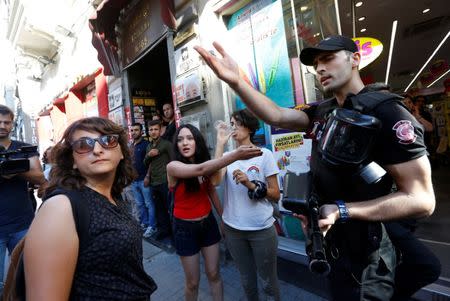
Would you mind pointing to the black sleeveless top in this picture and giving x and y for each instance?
(109, 265)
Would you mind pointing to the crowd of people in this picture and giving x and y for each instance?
(86, 238)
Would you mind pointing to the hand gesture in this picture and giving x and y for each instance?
(244, 152)
(225, 68)
(223, 133)
(153, 152)
(241, 177)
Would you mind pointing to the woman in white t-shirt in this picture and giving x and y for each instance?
(250, 187)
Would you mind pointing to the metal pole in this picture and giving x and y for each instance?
(353, 18)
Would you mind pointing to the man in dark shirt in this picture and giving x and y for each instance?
(158, 156)
(142, 193)
(361, 255)
(16, 210)
(170, 118)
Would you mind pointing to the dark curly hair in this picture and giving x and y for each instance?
(65, 176)
(246, 119)
(201, 154)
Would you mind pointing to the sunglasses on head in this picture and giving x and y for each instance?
(86, 144)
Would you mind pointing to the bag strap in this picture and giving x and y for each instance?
(367, 102)
(80, 211)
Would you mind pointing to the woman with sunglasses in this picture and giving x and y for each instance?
(250, 187)
(93, 160)
(194, 227)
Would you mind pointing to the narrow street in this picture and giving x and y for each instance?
(166, 270)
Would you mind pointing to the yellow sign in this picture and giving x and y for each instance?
(288, 142)
(369, 48)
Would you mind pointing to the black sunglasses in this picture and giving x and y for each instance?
(85, 145)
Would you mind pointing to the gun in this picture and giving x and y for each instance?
(298, 198)
(16, 161)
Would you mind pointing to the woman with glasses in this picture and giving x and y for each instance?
(92, 163)
(194, 227)
(250, 187)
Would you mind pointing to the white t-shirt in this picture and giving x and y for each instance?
(239, 211)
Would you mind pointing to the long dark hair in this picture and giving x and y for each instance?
(247, 120)
(65, 176)
(201, 154)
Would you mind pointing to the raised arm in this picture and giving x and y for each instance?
(222, 138)
(180, 170)
(227, 70)
(51, 251)
(414, 198)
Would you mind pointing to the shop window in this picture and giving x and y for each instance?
(306, 23)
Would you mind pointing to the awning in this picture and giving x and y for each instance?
(85, 80)
(102, 24)
(60, 102)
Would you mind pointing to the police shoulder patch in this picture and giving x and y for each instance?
(404, 131)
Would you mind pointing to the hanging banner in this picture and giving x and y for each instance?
(369, 48)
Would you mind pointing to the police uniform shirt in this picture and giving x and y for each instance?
(400, 139)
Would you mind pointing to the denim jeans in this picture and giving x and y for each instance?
(144, 202)
(8, 241)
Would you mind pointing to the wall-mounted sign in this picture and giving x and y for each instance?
(186, 58)
(117, 116)
(189, 88)
(142, 27)
(115, 99)
(369, 48)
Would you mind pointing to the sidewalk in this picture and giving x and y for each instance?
(166, 270)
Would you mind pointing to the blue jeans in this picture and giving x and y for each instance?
(8, 241)
(144, 202)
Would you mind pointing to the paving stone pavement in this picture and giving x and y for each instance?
(165, 268)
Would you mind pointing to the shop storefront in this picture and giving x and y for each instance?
(157, 65)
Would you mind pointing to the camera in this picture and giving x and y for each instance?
(16, 161)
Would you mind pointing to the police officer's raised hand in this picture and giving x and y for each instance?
(225, 68)
(244, 152)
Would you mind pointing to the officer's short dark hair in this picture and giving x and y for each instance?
(4, 110)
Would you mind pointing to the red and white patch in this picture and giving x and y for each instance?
(405, 132)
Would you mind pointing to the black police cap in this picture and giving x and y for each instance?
(333, 43)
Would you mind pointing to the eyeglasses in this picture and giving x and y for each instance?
(85, 145)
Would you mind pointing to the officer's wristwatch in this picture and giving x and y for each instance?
(343, 211)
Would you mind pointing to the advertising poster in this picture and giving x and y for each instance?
(263, 58)
(292, 152)
(258, 30)
(188, 87)
(117, 116)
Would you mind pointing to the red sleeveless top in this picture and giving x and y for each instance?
(191, 205)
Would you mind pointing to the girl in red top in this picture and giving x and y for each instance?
(194, 226)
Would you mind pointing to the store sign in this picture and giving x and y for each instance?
(142, 27)
(369, 48)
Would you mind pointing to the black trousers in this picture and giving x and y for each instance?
(418, 265)
(362, 277)
(160, 199)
